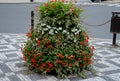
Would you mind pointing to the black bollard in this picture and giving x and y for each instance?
(32, 19)
(31, 0)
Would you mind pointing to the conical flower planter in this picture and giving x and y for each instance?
(58, 44)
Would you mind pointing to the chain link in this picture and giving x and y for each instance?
(95, 25)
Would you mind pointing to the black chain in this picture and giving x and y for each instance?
(96, 25)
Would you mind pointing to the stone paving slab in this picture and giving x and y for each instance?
(12, 66)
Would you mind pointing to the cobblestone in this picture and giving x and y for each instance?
(12, 68)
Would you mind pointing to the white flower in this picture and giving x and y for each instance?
(60, 28)
(73, 30)
(45, 29)
(75, 40)
(42, 32)
(64, 31)
(51, 32)
(69, 36)
(48, 26)
(43, 24)
(56, 32)
(36, 38)
(68, 33)
(54, 27)
(65, 44)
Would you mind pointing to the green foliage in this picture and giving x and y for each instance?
(58, 44)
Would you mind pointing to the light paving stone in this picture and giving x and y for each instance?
(106, 53)
(24, 77)
(7, 48)
(4, 68)
(4, 79)
(11, 55)
(111, 66)
(115, 61)
(13, 67)
(10, 73)
(94, 79)
(14, 78)
(51, 78)
(2, 41)
(106, 63)
(115, 76)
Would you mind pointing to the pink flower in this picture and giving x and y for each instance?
(36, 8)
(73, 8)
(46, 4)
(63, 1)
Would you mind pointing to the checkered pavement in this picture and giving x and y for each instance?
(12, 66)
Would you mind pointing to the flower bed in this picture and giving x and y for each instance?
(58, 44)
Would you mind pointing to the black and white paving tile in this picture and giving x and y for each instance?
(12, 66)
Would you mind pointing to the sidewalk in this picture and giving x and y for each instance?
(12, 66)
(28, 1)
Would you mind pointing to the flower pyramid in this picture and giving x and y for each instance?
(58, 43)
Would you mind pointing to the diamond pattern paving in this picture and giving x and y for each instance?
(12, 66)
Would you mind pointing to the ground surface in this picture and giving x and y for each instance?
(107, 63)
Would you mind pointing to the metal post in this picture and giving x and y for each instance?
(32, 19)
(114, 38)
(31, 0)
(99, 1)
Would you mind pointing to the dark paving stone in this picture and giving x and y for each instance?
(107, 78)
(36, 76)
(3, 47)
(111, 72)
(4, 68)
(100, 65)
(104, 53)
(2, 75)
(114, 63)
(111, 57)
(14, 78)
(11, 55)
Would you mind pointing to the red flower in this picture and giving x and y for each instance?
(47, 70)
(73, 8)
(89, 61)
(82, 53)
(33, 60)
(29, 35)
(53, 0)
(66, 1)
(75, 1)
(73, 56)
(41, 67)
(81, 43)
(63, 63)
(29, 53)
(93, 48)
(49, 46)
(60, 55)
(38, 42)
(87, 39)
(85, 59)
(79, 59)
(81, 65)
(24, 57)
(40, 54)
(46, 4)
(69, 65)
(59, 61)
(63, 0)
(50, 64)
(36, 8)
(35, 55)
